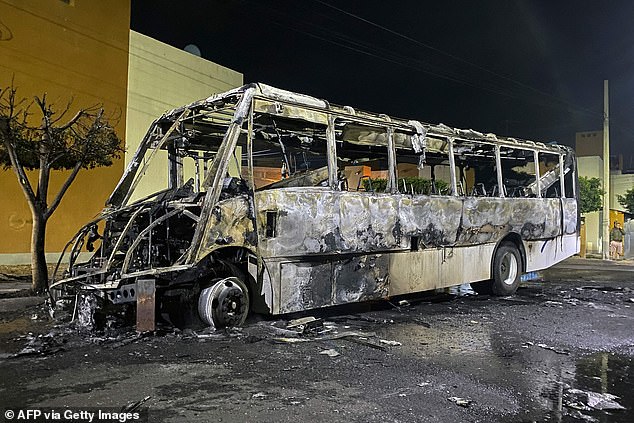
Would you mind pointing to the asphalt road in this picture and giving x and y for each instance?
(550, 353)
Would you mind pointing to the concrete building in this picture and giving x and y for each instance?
(589, 148)
(85, 51)
(162, 77)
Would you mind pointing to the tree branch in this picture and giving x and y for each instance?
(62, 190)
(73, 121)
(44, 150)
(63, 112)
(25, 184)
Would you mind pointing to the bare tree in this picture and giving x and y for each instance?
(44, 141)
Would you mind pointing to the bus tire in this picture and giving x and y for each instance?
(225, 303)
(507, 270)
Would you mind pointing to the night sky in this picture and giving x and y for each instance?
(529, 69)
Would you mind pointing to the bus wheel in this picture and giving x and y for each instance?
(507, 270)
(225, 303)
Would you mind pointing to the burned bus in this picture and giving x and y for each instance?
(278, 202)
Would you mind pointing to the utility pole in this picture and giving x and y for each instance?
(606, 173)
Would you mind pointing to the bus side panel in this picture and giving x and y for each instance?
(271, 281)
(296, 222)
(489, 219)
(305, 285)
(367, 222)
(439, 268)
(545, 253)
(434, 220)
(570, 215)
(485, 220)
(536, 218)
(314, 221)
(360, 278)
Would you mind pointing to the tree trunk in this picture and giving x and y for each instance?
(39, 270)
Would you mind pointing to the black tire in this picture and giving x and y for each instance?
(225, 303)
(506, 270)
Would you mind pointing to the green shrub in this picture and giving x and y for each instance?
(590, 194)
(412, 183)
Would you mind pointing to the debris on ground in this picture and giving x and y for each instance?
(85, 306)
(360, 319)
(305, 324)
(291, 340)
(546, 347)
(209, 335)
(259, 395)
(120, 341)
(133, 406)
(366, 342)
(462, 402)
(586, 400)
(42, 345)
(553, 349)
(576, 414)
(330, 352)
(339, 335)
(388, 342)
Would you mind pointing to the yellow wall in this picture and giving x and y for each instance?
(162, 77)
(73, 51)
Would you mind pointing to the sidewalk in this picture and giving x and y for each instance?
(14, 295)
(626, 265)
(19, 303)
(13, 286)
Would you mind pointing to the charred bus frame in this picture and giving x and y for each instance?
(294, 203)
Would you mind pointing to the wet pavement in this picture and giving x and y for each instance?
(560, 350)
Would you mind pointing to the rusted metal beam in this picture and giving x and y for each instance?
(145, 305)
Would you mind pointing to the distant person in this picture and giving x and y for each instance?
(616, 241)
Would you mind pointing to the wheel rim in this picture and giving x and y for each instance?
(508, 268)
(224, 304)
(231, 304)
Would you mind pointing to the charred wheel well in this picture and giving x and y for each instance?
(234, 261)
(516, 240)
(229, 261)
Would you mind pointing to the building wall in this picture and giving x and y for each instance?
(592, 167)
(70, 50)
(162, 77)
(589, 143)
(619, 184)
